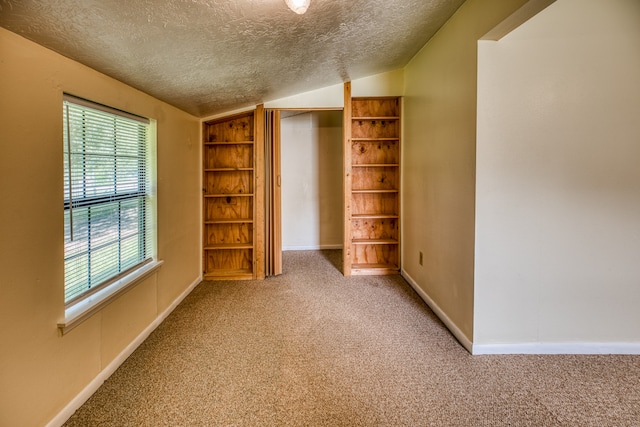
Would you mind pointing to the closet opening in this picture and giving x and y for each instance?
(305, 202)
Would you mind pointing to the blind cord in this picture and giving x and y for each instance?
(70, 180)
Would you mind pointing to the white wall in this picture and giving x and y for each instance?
(312, 212)
(558, 182)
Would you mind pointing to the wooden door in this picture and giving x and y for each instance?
(274, 194)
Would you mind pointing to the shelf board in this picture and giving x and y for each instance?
(230, 195)
(229, 143)
(244, 274)
(373, 191)
(374, 269)
(374, 139)
(230, 221)
(226, 246)
(374, 165)
(228, 169)
(375, 118)
(374, 242)
(375, 216)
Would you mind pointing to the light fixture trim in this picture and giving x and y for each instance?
(298, 6)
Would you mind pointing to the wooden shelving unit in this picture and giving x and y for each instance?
(372, 185)
(229, 198)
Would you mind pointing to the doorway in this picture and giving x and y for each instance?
(305, 157)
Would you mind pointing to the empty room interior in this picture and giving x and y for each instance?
(473, 163)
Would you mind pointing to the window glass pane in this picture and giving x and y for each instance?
(128, 175)
(76, 276)
(104, 263)
(105, 160)
(129, 256)
(104, 224)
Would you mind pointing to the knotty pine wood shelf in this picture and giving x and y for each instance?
(228, 169)
(374, 216)
(230, 221)
(376, 118)
(229, 198)
(224, 274)
(372, 150)
(221, 195)
(374, 139)
(374, 242)
(226, 246)
(373, 191)
(375, 165)
(229, 143)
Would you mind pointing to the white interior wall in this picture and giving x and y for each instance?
(312, 213)
(557, 266)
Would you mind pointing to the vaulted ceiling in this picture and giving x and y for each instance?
(211, 56)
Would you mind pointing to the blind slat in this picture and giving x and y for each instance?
(105, 195)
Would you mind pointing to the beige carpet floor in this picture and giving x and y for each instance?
(313, 348)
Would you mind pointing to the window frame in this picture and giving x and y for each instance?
(97, 295)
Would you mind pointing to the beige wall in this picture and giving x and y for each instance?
(558, 181)
(438, 186)
(390, 83)
(327, 97)
(40, 370)
(312, 212)
(332, 97)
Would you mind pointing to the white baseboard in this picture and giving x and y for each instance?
(453, 328)
(95, 384)
(310, 248)
(527, 347)
(558, 348)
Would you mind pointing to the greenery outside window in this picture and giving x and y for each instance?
(109, 227)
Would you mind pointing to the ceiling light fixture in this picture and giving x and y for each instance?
(298, 6)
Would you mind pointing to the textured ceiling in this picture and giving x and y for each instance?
(211, 56)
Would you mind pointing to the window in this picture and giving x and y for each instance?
(108, 207)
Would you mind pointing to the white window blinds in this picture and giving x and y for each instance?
(106, 197)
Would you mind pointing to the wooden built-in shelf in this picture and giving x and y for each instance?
(228, 169)
(372, 157)
(374, 242)
(377, 118)
(229, 143)
(229, 274)
(374, 269)
(230, 195)
(374, 139)
(223, 246)
(229, 221)
(375, 165)
(374, 216)
(373, 191)
(369, 266)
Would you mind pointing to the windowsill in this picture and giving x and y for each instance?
(82, 310)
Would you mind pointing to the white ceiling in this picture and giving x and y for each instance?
(211, 56)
